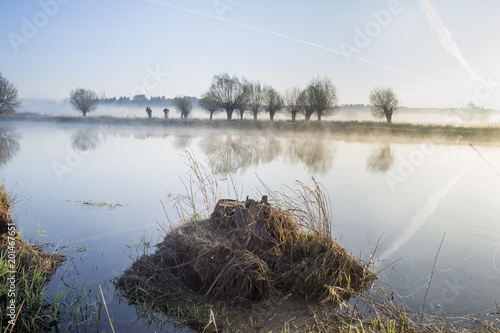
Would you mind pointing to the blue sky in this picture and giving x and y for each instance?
(174, 47)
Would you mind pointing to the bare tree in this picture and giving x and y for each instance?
(184, 105)
(84, 100)
(8, 97)
(255, 97)
(228, 92)
(384, 103)
(208, 102)
(273, 102)
(473, 113)
(321, 97)
(294, 100)
(307, 98)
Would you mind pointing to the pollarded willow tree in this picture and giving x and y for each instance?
(184, 105)
(84, 100)
(384, 103)
(321, 97)
(208, 102)
(229, 92)
(294, 100)
(8, 97)
(273, 101)
(255, 97)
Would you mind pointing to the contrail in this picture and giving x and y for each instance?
(420, 217)
(293, 39)
(444, 35)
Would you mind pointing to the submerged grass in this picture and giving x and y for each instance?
(25, 271)
(100, 203)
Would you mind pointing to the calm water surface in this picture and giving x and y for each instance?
(405, 196)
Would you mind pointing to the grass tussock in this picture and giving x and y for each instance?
(246, 254)
(25, 271)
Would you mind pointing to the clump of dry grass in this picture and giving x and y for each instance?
(248, 252)
(32, 269)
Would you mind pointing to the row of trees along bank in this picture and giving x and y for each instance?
(318, 98)
(230, 93)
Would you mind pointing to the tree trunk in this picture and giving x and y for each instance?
(388, 115)
(241, 114)
(84, 113)
(211, 114)
(229, 113)
(271, 115)
(255, 116)
(308, 116)
(294, 115)
(319, 115)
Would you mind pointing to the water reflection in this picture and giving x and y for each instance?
(381, 159)
(9, 145)
(317, 153)
(435, 198)
(86, 140)
(232, 153)
(182, 142)
(240, 152)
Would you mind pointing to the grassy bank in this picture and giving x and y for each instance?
(366, 128)
(25, 271)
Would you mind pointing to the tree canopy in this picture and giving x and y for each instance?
(209, 103)
(273, 102)
(228, 92)
(184, 105)
(8, 97)
(84, 100)
(255, 97)
(384, 103)
(321, 97)
(294, 101)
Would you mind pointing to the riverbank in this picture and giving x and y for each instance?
(347, 130)
(25, 271)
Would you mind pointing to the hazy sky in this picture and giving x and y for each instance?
(432, 52)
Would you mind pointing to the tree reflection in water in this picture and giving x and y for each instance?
(381, 159)
(9, 145)
(316, 152)
(182, 142)
(239, 152)
(87, 140)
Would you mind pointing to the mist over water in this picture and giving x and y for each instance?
(346, 113)
(407, 193)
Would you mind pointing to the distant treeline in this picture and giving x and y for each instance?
(142, 100)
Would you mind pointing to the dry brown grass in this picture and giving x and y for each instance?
(32, 271)
(283, 249)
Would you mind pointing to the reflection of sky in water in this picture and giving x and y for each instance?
(409, 194)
